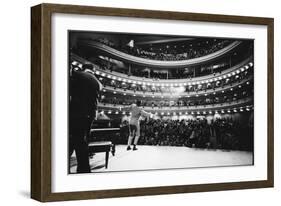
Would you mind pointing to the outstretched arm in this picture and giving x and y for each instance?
(146, 114)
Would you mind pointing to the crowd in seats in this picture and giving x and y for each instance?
(183, 73)
(220, 133)
(169, 54)
(206, 100)
(220, 83)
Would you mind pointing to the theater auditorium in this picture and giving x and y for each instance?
(193, 97)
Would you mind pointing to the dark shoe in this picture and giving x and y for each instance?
(128, 148)
(135, 148)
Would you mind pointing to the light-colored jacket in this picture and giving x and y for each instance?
(136, 113)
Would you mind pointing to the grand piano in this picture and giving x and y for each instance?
(103, 138)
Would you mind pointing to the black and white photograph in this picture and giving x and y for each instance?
(139, 102)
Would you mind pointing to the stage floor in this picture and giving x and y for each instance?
(165, 157)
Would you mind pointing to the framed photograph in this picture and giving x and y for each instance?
(130, 102)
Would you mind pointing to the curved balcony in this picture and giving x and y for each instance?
(213, 107)
(156, 63)
(167, 95)
(139, 80)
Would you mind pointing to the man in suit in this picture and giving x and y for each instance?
(84, 91)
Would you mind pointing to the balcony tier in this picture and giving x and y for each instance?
(116, 54)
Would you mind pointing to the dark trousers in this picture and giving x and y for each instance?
(79, 130)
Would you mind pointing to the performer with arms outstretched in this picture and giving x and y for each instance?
(134, 123)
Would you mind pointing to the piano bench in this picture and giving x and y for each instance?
(101, 146)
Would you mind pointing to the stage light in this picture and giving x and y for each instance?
(192, 112)
(215, 79)
(204, 112)
(228, 111)
(220, 78)
(246, 67)
(123, 113)
(248, 83)
(216, 112)
(134, 95)
(237, 72)
(116, 112)
(168, 113)
(241, 110)
(239, 86)
(103, 74)
(233, 73)
(198, 112)
(180, 113)
(186, 112)
(109, 76)
(104, 90)
(229, 75)
(247, 109)
(124, 94)
(206, 94)
(214, 93)
(222, 91)
(97, 72)
(119, 79)
(162, 113)
(210, 112)
(235, 110)
(100, 78)
(251, 64)
(109, 112)
(211, 80)
(197, 95)
(224, 76)
(242, 69)
(222, 111)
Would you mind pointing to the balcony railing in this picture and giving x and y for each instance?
(166, 94)
(212, 107)
(127, 78)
